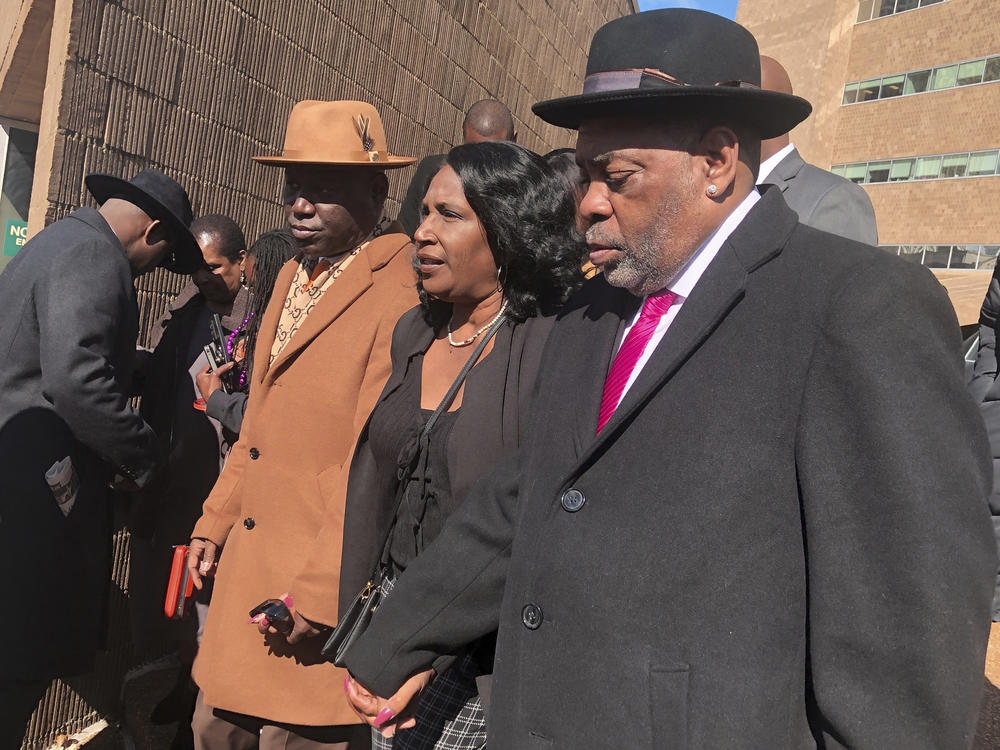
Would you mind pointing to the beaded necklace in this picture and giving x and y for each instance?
(478, 333)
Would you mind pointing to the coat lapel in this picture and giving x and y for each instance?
(785, 171)
(759, 238)
(342, 293)
(605, 320)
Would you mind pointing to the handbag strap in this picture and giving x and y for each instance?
(425, 432)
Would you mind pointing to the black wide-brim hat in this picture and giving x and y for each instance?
(161, 198)
(676, 61)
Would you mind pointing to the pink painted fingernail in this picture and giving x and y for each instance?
(288, 602)
(347, 684)
(383, 716)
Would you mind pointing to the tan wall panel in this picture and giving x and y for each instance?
(944, 33)
(959, 211)
(812, 39)
(962, 119)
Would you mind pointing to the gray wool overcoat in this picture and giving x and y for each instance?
(67, 346)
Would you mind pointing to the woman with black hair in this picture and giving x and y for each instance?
(496, 255)
(264, 260)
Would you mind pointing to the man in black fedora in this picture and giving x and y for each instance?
(66, 429)
(751, 511)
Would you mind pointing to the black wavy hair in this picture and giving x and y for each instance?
(529, 219)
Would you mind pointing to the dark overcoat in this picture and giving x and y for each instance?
(491, 424)
(780, 539)
(985, 389)
(67, 339)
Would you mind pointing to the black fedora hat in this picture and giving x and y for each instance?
(679, 61)
(162, 198)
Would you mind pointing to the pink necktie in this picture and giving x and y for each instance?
(654, 308)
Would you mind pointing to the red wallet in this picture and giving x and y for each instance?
(180, 586)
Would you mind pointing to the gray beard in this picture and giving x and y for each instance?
(637, 275)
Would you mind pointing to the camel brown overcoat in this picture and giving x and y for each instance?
(301, 421)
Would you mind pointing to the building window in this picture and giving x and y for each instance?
(971, 73)
(868, 90)
(954, 165)
(891, 86)
(992, 72)
(983, 163)
(878, 171)
(928, 168)
(950, 76)
(931, 167)
(916, 82)
(968, 257)
(901, 169)
(871, 9)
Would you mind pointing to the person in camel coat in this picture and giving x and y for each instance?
(321, 360)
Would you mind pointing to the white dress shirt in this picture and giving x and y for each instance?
(684, 283)
(767, 166)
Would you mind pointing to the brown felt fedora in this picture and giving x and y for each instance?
(342, 133)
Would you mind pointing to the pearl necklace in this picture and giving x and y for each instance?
(478, 333)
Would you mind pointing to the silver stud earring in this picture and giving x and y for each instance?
(712, 190)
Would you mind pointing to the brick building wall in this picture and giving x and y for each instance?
(812, 39)
(823, 48)
(197, 87)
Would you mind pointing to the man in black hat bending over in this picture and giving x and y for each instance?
(67, 340)
(751, 511)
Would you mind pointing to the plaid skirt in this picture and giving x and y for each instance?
(449, 715)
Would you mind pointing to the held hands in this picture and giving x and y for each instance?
(299, 628)
(388, 715)
(209, 382)
(202, 560)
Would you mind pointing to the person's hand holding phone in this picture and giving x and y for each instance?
(209, 380)
(278, 617)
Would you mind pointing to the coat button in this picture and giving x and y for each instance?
(531, 616)
(249, 523)
(254, 454)
(572, 500)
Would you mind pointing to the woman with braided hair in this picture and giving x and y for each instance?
(260, 270)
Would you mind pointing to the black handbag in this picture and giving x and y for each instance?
(352, 623)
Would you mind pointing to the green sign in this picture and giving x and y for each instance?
(14, 237)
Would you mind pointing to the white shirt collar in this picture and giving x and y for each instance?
(767, 166)
(684, 282)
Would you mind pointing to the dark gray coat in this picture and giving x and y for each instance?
(824, 200)
(780, 540)
(67, 339)
(985, 389)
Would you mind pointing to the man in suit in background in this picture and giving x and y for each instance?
(751, 509)
(68, 341)
(486, 120)
(822, 199)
